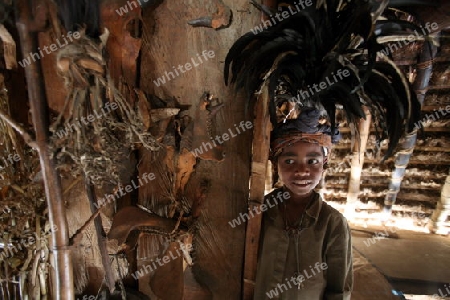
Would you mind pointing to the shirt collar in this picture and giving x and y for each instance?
(312, 211)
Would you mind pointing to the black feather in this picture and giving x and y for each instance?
(307, 49)
(78, 14)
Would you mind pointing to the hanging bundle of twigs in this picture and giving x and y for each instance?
(24, 247)
(20, 197)
(100, 127)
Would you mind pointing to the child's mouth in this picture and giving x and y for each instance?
(301, 183)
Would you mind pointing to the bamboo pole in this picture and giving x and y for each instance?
(59, 245)
(357, 163)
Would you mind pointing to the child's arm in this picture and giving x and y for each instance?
(339, 262)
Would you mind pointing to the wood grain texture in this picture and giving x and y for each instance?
(261, 144)
(168, 41)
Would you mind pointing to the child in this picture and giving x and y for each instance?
(317, 57)
(305, 250)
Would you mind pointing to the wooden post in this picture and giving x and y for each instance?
(59, 246)
(357, 163)
(101, 236)
(261, 145)
(440, 215)
(260, 150)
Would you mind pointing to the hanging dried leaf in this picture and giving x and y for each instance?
(131, 217)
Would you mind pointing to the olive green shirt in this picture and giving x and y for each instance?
(324, 269)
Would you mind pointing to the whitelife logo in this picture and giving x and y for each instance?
(25, 243)
(108, 198)
(86, 120)
(146, 269)
(225, 137)
(435, 116)
(187, 67)
(244, 217)
(280, 16)
(131, 4)
(11, 159)
(297, 281)
(381, 235)
(441, 294)
(411, 38)
(317, 88)
(53, 47)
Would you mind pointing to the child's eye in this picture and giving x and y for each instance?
(313, 161)
(289, 161)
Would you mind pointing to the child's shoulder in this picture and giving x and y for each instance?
(332, 213)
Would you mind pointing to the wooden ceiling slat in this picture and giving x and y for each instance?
(417, 148)
(330, 196)
(346, 130)
(380, 185)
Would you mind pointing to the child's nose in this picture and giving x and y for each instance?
(302, 169)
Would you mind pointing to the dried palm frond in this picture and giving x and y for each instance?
(98, 147)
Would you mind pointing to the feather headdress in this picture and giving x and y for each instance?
(326, 56)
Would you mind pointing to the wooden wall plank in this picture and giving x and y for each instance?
(168, 41)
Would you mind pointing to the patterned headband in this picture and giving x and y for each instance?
(291, 138)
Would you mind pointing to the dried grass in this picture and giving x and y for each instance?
(24, 263)
(99, 148)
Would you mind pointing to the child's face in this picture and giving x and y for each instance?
(300, 167)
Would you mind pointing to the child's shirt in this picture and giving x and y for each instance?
(324, 255)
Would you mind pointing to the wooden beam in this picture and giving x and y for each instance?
(358, 162)
(362, 175)
(431, 161)
(442, 58)
(433, 107)
(332, 195)
(442, 212)
(370, 175)
(379, 185)
(59, 246)
(417, 148)
(425, 129)
(439, 87)
(101, 236)
(261, 145)
(260, 149)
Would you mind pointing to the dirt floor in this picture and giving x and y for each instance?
(390, 263)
